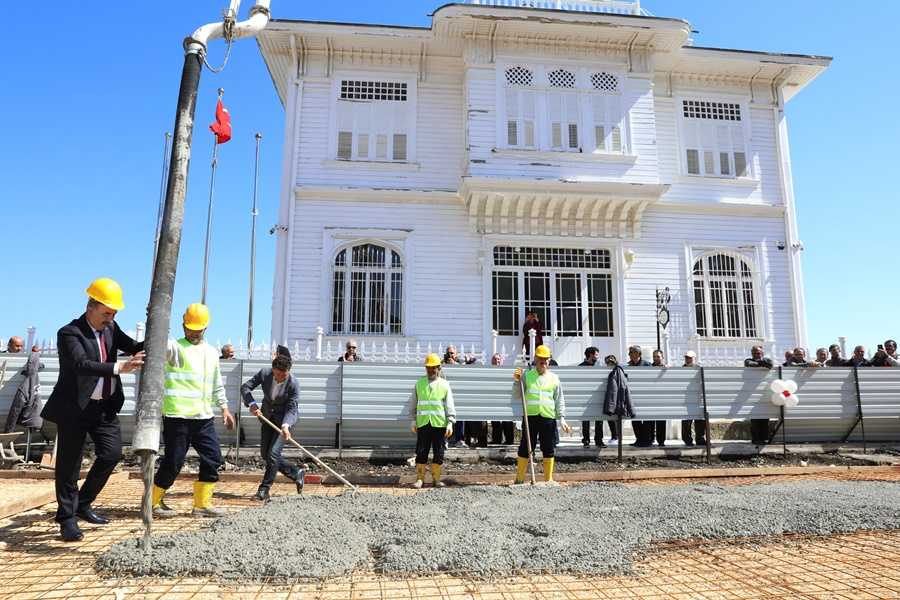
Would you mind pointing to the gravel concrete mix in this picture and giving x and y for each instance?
(495, 531)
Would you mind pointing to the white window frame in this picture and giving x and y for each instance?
(583, 118)
(746, 253)
(553, 301)
(715, 147)
(335, 240)
(409, 125)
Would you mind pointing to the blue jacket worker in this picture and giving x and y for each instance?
(281, 398)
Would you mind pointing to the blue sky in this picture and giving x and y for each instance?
(84, 118)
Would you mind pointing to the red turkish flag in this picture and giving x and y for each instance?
(222, 126)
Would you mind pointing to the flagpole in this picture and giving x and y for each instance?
(209, 212)
(162, 195)
(254, 213)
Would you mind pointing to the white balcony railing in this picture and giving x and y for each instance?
(617, 7)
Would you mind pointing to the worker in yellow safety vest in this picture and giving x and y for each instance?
(431, 402)
(544, 404)
(193, 390)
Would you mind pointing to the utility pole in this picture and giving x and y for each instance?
(148, 418)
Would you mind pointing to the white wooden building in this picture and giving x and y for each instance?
(567, 157)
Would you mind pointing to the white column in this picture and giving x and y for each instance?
(319, 333)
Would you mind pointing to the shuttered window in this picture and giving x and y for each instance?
(562, 110)
(713, 139)
(375, 120)
(372, 302)
(520, 108)
(725, 301)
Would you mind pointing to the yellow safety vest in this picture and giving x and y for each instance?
(430, 396)
(189, 387)
(539, 391)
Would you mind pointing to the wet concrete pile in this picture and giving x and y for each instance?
(495, 531)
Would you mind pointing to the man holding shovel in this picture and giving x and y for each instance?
(544, 404)
(281, 397)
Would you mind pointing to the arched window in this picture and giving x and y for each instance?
(367, 291)
(724, 299)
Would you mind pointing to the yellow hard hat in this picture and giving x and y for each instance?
(196, 317)
(107, 292)
(542, 352)
(432, 360)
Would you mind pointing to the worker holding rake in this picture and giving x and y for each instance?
(544, 404)
(281, 397)
(431, 402)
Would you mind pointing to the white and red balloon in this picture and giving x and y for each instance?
(784, 393)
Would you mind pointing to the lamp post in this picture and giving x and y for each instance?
(663, 297)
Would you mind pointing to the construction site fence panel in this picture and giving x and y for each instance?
(368, 404)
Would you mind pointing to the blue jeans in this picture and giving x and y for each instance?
(270, 448)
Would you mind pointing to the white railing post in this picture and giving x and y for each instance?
(32, 331)
(532, 336)
(319, 333)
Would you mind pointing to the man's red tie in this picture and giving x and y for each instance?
(107, 381)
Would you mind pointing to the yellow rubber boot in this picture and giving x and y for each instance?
(160, 510)
(420, 476)
(549, 464)
(203, 507)
(521, 467)
(436, 476)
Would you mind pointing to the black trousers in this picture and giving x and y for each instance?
(598, 431)
(502, 432)
(759, 431)
(544, 430)
(699, 427)
(430, 438)
(178, 435)
(270, 448)
(106, 434)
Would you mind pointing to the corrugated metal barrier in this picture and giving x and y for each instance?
(367, 404)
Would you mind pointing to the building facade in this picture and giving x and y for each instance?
(566, 158)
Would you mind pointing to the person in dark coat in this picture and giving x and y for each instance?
(759, 428)
(658, 427)
(591, 356)
(281, 399)
(643, 430)
(86, 401)
(617, 402)
(532, 321)
(691, 426)
(26, 406)
(858, 359)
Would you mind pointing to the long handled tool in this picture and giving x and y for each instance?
(527, 431)
(308, 453)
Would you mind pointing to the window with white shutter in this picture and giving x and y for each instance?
(520, 108)
(562, 110)
(375, 120)
(606, 110)
(713, 140)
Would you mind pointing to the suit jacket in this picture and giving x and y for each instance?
(282, 410)
(80, 368)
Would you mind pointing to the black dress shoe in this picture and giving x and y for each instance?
(301, 480)
(88, 514)
(70, 532)
(262, 494)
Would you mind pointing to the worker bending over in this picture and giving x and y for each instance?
(281, 397)
(432, 403)
(544, 404)
(193, 389)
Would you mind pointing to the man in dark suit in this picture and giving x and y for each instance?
(281, 398)
(86, 401)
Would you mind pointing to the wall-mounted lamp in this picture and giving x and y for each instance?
(629, 255)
